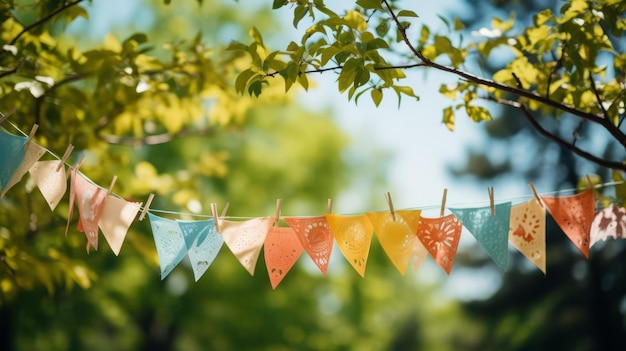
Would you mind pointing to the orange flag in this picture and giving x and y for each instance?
(90, 200)
(574, 214)
(441, 237)
(527, 232)
(316, 238)
(245, 239)
(282, 249)
(354, 236)
(397, 237)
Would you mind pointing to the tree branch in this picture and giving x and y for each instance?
(573, 148)
(42, 20)
(518, 91)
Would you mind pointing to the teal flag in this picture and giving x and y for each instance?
(203, 244)
(492, 232)
(12, 151)
(169, 241)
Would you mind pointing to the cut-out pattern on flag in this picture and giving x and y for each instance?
(33, 153)
(574, 215)
(90, 200)
(610, 222)
(441, 238)
(51, 184)
(490, 231)
(419, 252)
(353, 235)
(281, 250)
(12, 155)
(396, 237)
(316, 238)
(169, 242)
(115, 219)
(527, 232)
(245, 239)
(204, 246)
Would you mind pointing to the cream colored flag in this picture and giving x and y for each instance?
(51, 183)
(527, 232)
(33, 153)
(115, 219)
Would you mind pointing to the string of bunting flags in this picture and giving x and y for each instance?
(406, 236)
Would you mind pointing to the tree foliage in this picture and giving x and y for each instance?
(566, 64)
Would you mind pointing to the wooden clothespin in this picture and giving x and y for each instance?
(79, 163)
(329, 207)
(215, 219)
(277, 217)
(31, 135)
(492, 203)
(146, 207)
(390, 203)
(532, 188)
(4, 116)
(110, 190)
(67, 153)
(443, 202)
(224, 210)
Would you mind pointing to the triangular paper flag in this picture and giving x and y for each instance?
(610, 222)
(281, 250)
(33, 153)
(51, 184)
(441, 238)
(574, 215)
(90, 201)
(527, 232)
(12, 155)
(419, 253)
(115, 219)
(205, 246)
(169, 242)
(396, 237)
(316, 238)
(245, 239)
(491, 232)
(353, 235)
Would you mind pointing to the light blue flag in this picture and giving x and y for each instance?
(13, 149)
(169, 241)
(203, 244)
(492, 232)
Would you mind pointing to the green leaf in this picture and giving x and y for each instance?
(478, 113)
(620, 189)
(448, 118)
(298, 14)
(370, 4)
(278, 4)
(407, 13)
(242, 80)
(377, 96)
(237, 46)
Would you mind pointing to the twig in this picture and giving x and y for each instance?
(42, 20)
(595, 92)
(580, 152)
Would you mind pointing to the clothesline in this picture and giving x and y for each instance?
(426, 207)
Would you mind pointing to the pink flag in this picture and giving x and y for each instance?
(90, 200)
